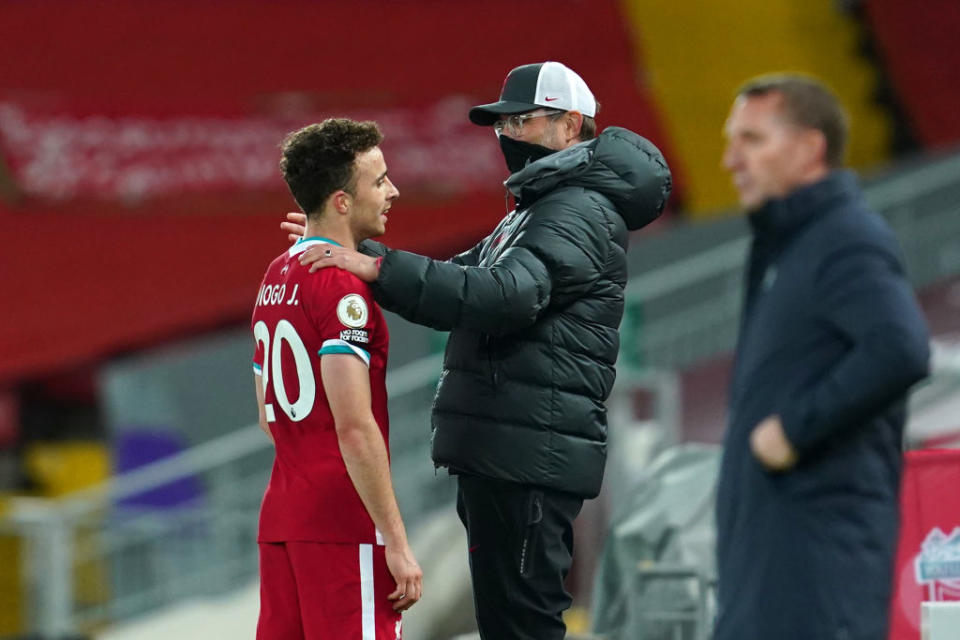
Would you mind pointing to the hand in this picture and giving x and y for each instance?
(407, 574)
(295, 226)
(329, 255)
(770, 446)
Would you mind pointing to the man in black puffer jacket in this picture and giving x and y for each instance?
(533, 313)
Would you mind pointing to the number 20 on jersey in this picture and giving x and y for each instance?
(273, 370)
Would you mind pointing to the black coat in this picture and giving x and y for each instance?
(831, 339)
(533, 313)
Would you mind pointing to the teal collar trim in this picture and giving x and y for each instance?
(321, 239)
(303, 244)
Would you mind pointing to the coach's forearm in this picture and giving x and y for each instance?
(365, 456)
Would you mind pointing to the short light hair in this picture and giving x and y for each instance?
(807, 103)
(588, 126)
(588, 130)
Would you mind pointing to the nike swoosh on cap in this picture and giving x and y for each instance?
(551, 99)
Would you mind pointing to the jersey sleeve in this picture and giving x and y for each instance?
(342, 314)
(258, 358)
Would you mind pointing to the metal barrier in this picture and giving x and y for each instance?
(687, 311)
(88, 559)
(934, 404)
(91, 558)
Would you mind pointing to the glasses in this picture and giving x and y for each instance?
(514, 124)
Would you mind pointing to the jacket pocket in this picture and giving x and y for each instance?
(529, 543)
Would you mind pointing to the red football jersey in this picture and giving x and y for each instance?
(299, 317)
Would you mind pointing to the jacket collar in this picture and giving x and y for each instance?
(781, 218)
(543, 175)
(622, 166)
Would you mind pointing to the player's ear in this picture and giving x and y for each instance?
(341, 201)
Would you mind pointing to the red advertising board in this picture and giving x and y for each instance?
(928, 556)
(61, 153)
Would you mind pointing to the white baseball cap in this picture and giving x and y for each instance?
(544, 84)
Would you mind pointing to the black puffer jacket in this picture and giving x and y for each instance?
(533, 312)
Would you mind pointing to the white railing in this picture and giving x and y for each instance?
(91, 557)
(687, 311)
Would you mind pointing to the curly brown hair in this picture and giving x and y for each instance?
(318, 160)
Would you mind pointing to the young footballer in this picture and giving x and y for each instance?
(334, 558)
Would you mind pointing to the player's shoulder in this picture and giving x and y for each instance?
(340, 297)
(338, 280)
(278, 264)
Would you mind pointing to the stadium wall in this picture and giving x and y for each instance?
(140, 197)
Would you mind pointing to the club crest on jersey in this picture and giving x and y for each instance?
(352, 310)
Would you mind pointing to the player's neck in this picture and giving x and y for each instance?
(343, 237)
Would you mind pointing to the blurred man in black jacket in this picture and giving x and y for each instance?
(831, 339)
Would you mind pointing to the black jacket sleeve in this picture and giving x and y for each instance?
(562, 246)
(864, 297)
(470, 257)
(373, 248)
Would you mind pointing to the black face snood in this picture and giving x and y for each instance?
(519, 154)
